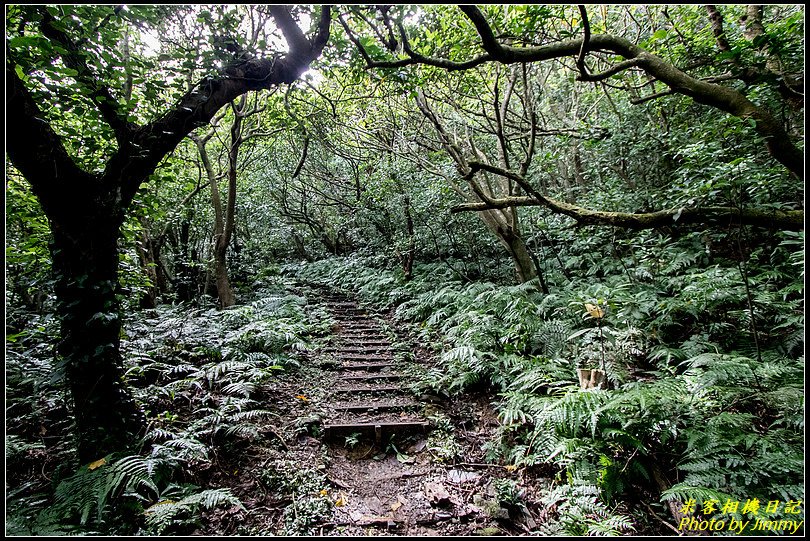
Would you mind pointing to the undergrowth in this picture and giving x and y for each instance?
(198, 374)
(696, 408)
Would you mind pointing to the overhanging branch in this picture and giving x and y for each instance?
(770, 218)
(726, 99)
(201, 103)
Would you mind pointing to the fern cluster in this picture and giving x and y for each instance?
(200, 375)
(685, 395)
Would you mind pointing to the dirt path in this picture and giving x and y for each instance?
(354, 451)
(387, 462)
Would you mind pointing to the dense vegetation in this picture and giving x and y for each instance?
(539, 190)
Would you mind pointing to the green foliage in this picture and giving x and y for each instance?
(306, 488)
(580, 512)
(442, 443)
(106, 493)
(681, 405)
(200, 376)
(166, 513)
(702, 333)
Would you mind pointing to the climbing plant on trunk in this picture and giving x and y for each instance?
(87, 205)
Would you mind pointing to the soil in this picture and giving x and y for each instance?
(354, 454)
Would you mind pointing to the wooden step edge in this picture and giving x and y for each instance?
(376, 407)
(370, 377)
(366, 366)
(378, 389)
(392, 424)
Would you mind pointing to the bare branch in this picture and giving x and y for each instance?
(613, 70)
(651, 97)
(303, 158)
(586, 37)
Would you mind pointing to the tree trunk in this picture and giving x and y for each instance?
(187, 280)
(525, 269)
(521, 257)
(147, 255)
(224, 291)
(410, 255)
(85, 259)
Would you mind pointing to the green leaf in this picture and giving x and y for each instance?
(20, 73)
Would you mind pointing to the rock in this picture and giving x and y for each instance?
(417, 447)
(488, 532)
(491, 508)
(437, 494)
(458, 476)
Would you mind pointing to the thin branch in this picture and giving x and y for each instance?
(613, 70)
(655, 96)
(586, 37)
(303, 158)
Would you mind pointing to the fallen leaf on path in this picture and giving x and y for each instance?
(342, 500)
(302, 398)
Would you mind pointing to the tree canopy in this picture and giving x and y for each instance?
(646, 161)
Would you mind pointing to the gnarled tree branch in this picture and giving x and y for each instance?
(726, 99)
(770, 218)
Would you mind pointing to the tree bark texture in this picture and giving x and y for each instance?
(514, 244)
(86, 210)
(85, 260)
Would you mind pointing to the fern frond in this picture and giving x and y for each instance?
(166, 513)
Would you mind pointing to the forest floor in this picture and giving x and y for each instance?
(315, 477)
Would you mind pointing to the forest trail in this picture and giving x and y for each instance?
(368, 398)
(382, 461)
